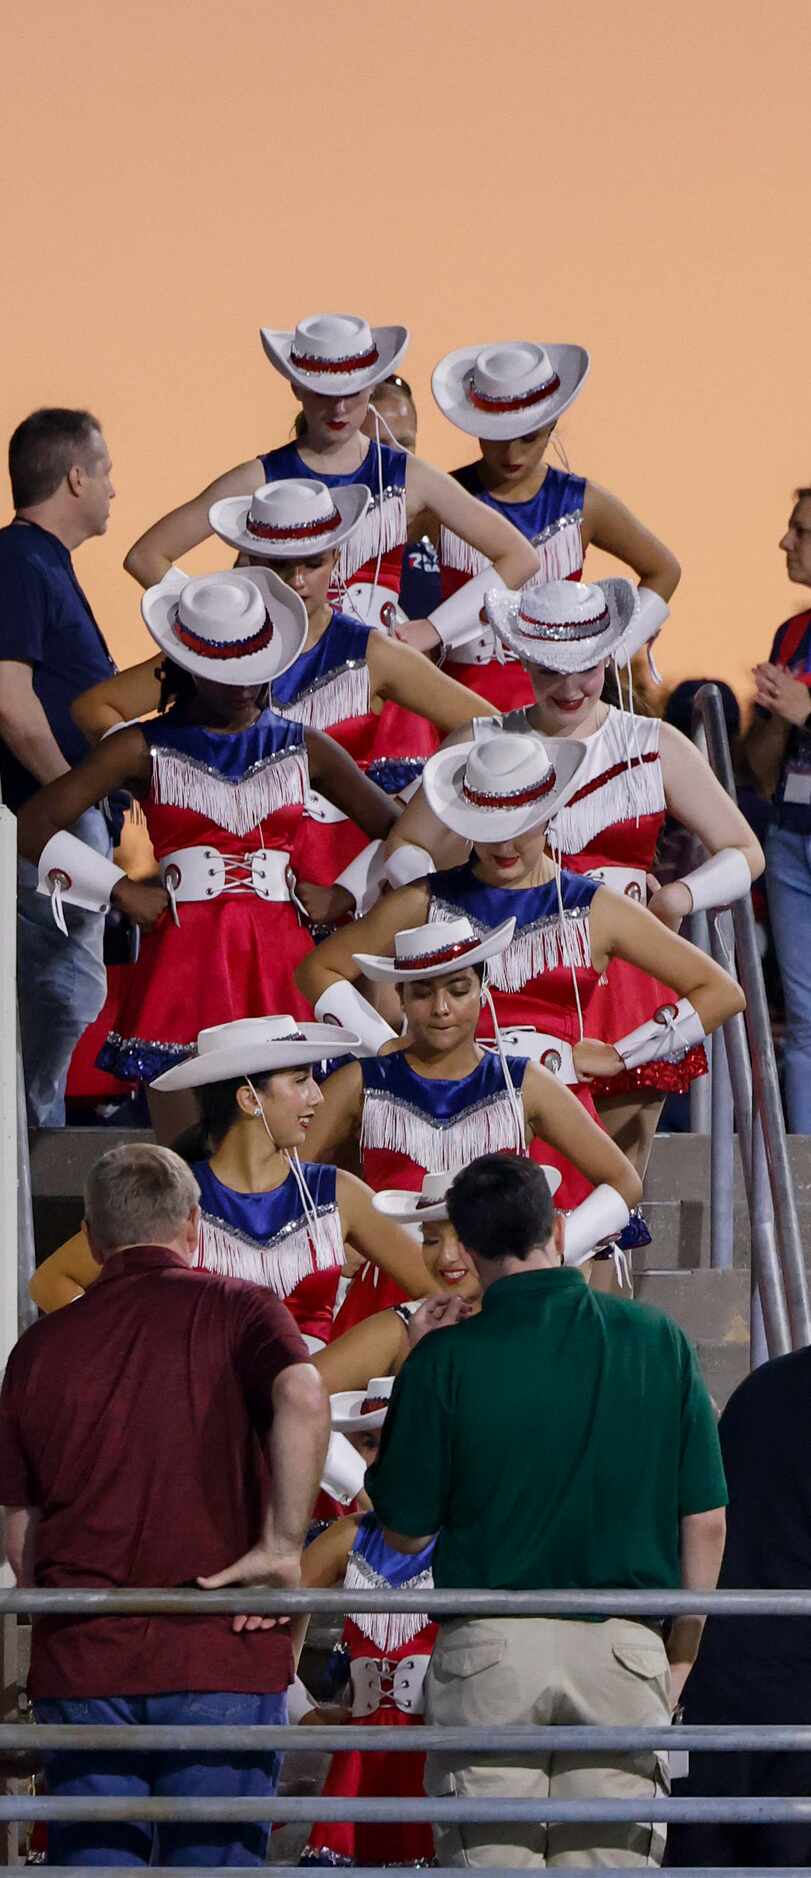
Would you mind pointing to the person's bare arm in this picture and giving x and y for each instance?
(64, 1276)
(120, 762)
(700, 802)
(419, 827)
(20, 1528)
(375, 933)
(376, 1347)
(397, 671)
(511, 555)
(24, 726)
(554, 1114)
(335, 773)
(337, 1118)
(297, 1447)
(702, 1549)
(381, 1240)
(621, 930)
(152, 555)
(116, 701)
(609, 525)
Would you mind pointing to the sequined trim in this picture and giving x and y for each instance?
(574, 518)
(265, 1245)
(327, 678)
(210, 769)
(140, 1059)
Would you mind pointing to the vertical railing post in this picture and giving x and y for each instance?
(10, 1207)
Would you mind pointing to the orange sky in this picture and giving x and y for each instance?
(630, 177)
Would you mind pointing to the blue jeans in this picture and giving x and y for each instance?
(61, 983)
(788, 882)
(216, 1776)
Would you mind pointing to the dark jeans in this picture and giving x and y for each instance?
(61, 982)
(216, 1776)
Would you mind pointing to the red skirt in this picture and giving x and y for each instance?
(229, 958)
(373, 1776)
(624, 998)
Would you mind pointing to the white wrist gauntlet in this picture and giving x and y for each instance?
(665, 1038)
(458, 619)
(720, 880)
(70, 870)
(601, 1216)
(344, 1004)
(344, 1470)
(299, 1702)
(407, 863)
(363, 876)
(648, 620)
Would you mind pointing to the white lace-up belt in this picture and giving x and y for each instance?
(632, 881)
(482, 651)
(378, 1682)
(320, 810)
(207, 873)
(541, 1047)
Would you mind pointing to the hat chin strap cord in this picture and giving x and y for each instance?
(514, 1099)
(294, 1164)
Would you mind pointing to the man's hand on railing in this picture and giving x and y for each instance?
(261, 1568)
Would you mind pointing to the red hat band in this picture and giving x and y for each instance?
(356, 362)
(224, 648)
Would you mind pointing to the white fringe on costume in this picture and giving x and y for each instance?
(541, 947)
(341, 694)
(383, 528)
(388, 1630)
(276, 782)
(278, 1264)
(623, 796)
(560, 547)
(398, 1127)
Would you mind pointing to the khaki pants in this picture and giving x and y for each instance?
(510, 1672)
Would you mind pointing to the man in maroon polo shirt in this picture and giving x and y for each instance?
(167, 1427)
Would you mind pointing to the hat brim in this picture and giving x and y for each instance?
(570, 363)
(503, 607)
(390, 342)
(398, 1204)
(442, 778)
(285, 608)
(345, 1415)
(229, 518)
(323, 1042)
(386, 971)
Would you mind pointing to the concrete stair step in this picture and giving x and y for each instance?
(712, 1307)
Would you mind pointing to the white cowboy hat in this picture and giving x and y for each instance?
(434, 950)
(243, 627)
(291, 519)
(501, 787)
(508, 390)
(254, 1046)
(335, 353)
(349, 1412)
(412, 1209)
(565, 625)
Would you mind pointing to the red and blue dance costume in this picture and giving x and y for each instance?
(232, 955)
(552, 521)
(414, 1125)
(383, 529)
(328, 688)
(388, 1655)
(268, 1239)
(613, 821)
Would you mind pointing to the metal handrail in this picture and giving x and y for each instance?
(784, 1271)
(88, 1601)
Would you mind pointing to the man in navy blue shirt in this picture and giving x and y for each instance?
(50, 651)
(779, 749)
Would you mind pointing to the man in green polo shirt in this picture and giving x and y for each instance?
(564, 1439)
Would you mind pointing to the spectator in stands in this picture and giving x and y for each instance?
(169, 1424)
(420, 584)
(757, 1670)
(51, 649)
(560, 1439)
(779, 749)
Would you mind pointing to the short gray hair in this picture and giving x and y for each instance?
(138, 1195)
